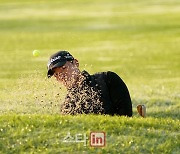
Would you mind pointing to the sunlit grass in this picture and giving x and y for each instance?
(139, 40)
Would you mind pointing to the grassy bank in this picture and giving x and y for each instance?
(139, 40)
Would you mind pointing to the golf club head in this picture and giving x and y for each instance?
(141, 110)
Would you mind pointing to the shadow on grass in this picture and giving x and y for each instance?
(165, 114)
(159, 109)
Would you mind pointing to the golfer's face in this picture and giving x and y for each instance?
(65, 73)
(60, 73)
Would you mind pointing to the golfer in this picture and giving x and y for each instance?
(100, 93)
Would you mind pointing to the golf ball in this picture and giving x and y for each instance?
(36, 53)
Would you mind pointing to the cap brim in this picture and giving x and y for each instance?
(50, 70)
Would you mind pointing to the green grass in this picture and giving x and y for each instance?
(45, 133)
(137, 39)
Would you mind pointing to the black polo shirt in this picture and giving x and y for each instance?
(100, 93)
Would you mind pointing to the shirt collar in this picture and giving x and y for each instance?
(86, 75)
